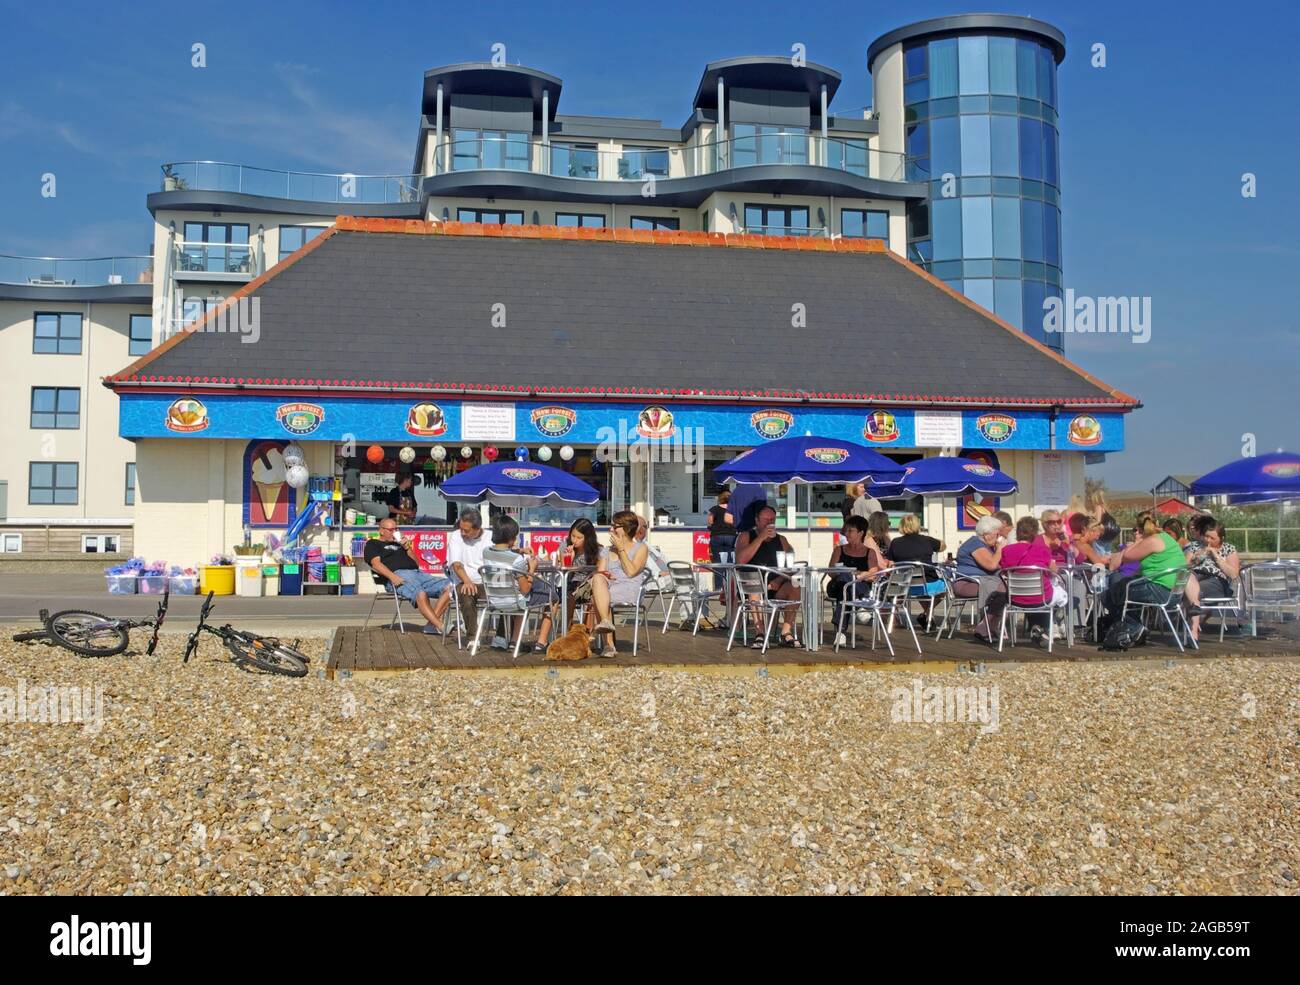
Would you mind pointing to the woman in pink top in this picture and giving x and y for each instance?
(1030, 550)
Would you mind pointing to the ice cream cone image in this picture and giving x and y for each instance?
(268, 481)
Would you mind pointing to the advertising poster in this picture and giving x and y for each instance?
(431, 549)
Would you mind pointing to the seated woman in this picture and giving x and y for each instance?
(979, 559)
(1215, 566)
(1030, 550)
(760, 546)
(505, 532)
(1157, 557)
(1175, 529)
(619, 574)
(854, 553)
(1085, 532)
(912, 545)
(581, 548)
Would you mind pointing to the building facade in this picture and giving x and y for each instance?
(760, 151)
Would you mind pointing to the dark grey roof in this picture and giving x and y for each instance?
(360, 306)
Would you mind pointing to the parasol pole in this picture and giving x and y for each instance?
(1277, 556)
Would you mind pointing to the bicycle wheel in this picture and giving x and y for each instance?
(32, 637)
(90, 634)
(267, 654)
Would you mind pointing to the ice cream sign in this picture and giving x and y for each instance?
(300, 418)
(186, 414)
(268, 492)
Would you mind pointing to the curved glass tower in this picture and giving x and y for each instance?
(972, 101)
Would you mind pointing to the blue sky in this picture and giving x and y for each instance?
(1154, 146)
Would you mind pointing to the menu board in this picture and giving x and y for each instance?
(674, 489)
(487, 422)
(1051, 481)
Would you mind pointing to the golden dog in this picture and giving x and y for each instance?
(573, 645)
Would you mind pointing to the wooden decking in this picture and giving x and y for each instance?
(369, 652)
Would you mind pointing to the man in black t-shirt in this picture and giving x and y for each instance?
(401, 500)
(393, 561)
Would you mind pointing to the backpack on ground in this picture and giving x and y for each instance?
(1124, 633)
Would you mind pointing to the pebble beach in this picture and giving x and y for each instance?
(1116, 777)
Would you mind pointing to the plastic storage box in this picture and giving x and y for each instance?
(182, 584)
(122, 584)
(290, 579)
(151, 584)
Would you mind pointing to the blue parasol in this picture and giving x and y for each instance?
(1270, 478)
(516, 484)
(943, 476)
(809, 458)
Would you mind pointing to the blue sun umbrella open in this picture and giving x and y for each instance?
(516, 484)
(1272, 478)
(944, 476)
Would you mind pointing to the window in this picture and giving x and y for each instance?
(655, 222)
(777, 220)
(575, 161)
(130, 483)
(975, 159)
(494, 217)
(864, 224)
(58, 334)
(977, 233)
(757, 144)
(1002, 66)
(216, 248)
(637, 162)
(52, 483)
(193, 309)
(11, 544)
(1031, 149)
(584, 220)
(293, 238)
(141, 339)
(56, 407)
(973, 58)
(497, 149)
(914, 62)
(943, 68)
(99, 543)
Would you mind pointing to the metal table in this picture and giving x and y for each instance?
(550, 571)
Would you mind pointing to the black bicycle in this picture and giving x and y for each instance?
(249, 650)
(93, 634)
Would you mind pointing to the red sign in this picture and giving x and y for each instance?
(547, 541)
(431, 549)
(700, 546)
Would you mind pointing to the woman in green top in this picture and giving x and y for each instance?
(1156, 553)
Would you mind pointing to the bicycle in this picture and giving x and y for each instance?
(249, 649)
(93, 634)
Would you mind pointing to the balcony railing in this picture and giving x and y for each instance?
(215, 258)
(767, 230)
(575, 161)
(305, 186)
(64, 272)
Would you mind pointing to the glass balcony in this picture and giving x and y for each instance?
(64, 272)
(305, 186)
(584, 161)
(762, 230)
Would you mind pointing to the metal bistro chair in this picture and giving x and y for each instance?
(1271, 586)
(645, 596)
(687, 595)
(500, 582)
(384, 590)
(1232, 605)
(751, 585)
(888, 594)
(1026, 581)
(1167, 608)
(954, 604)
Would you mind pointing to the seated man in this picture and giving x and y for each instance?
(655, 560)
(505, 532)
(465, 547)
(393, 560)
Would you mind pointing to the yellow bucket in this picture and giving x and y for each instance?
(217, 578)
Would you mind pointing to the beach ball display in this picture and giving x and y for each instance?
(521, 454)
(407, 455)
(466, 451)
(296, 476)
(544, 453)
(293, 455)
(438, 452)
(375, 454)
(490, 453)
(566, 453)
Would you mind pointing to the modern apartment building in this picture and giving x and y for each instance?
(954, 167)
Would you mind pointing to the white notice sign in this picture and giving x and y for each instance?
(1051, 481)
(938, 429)
(487, 422)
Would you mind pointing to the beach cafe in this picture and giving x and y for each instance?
(637, 361)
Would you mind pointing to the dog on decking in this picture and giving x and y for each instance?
(573, 645)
